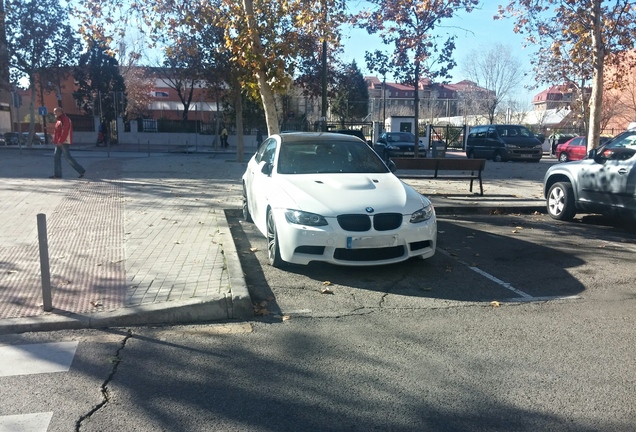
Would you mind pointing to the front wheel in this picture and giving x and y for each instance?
(497, 157)
(563, 157)
(246, 209)
(470, 155)
(560, 201)
(273, 250)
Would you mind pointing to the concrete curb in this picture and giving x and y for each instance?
(489, 210)
(240, 301)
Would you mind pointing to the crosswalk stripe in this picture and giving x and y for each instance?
(36, 422)
(31, 359)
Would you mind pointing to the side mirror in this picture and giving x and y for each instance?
(267, 169)
(592, 154)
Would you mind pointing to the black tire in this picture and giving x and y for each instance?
(497, 157)
(246, 210)
(470, 155)
(563, 157)
(273, 250)
(560, 201)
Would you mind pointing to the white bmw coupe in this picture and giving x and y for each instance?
(329, 197)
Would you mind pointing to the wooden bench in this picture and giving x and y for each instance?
(472, 169)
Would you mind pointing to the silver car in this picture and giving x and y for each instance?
(604, 182)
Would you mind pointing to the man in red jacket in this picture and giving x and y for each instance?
(62, 138)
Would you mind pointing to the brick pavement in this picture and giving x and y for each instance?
(137, 230)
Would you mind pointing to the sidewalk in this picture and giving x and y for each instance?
(143, 239)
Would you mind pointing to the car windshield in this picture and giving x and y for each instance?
(400, 137)
(626, 139)
(514, 131)
(329, 157)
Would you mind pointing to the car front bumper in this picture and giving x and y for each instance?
(300, 244)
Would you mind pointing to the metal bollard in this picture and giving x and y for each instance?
(47, 302)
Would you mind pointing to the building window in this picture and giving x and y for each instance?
(160, 94)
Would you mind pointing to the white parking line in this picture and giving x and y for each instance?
(31, 359)
(524, 296)
(37, 422)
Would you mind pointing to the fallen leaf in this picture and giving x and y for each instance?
(449, 269)
(495, 304)
(253, 249)
(97, 303)
(476, 254)
(326, 283)
(515, 231)
(326, 291)
(177, 242)
(286, 317)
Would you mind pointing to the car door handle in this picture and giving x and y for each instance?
(623, 171)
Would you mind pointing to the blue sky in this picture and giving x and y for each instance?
(476, 30)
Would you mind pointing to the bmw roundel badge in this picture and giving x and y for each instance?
(369, 209)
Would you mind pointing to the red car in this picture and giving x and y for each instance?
(574, 149)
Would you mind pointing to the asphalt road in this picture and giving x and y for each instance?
(518, 323)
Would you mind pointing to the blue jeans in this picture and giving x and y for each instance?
(57, 156)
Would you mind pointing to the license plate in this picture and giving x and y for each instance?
(371, 242)
(526, 155)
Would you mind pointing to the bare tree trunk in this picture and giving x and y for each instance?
(238, 107)
(598, 60)
(267, 95)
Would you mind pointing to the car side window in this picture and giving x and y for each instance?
(266, 151)
(478, 132)
(492, 133)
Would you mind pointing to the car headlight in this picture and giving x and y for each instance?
(304, 218)
(511, 146)
(423, 214)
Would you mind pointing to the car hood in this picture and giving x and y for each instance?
(335, 194)
(403, 144)
(522, 141)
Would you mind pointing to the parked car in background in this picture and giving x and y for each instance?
(503, 143)
(399, 144)
(36, 138)
(12, 138)
(575, 148)
(558, 138)
(49, 138)
(329, 197)
(604, 182)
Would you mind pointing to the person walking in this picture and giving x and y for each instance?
(224, 137)
(62, 138)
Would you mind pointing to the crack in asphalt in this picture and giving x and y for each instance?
(104, 387)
